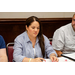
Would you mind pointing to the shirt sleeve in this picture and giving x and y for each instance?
(58, 40)
(17, 54)
(48, 48)
(2, 43)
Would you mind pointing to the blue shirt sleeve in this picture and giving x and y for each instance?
(48, 48)
(2, 43)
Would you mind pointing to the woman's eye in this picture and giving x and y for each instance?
(38, 28)
(33, 27)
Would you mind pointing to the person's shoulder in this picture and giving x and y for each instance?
(1, 37)
(45, 37)
(20, 36)
(63, 28)
(2, 42)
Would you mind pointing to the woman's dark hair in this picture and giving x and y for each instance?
(40, 35)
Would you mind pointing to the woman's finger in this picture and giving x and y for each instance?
(54, 59)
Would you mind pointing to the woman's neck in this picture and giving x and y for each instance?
(32, 39)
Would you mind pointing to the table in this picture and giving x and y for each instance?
(61, 59)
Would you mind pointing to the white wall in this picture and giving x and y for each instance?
(38, 14)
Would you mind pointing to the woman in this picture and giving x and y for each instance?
(32, 45)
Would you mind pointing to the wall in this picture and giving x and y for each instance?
(38, 14)
(13, 23)
(11, 28)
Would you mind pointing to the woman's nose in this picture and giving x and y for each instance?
(35, 29)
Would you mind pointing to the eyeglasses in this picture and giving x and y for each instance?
(73, 19)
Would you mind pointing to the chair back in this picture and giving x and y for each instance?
(51, 42)
(10, 51)
(50, 39)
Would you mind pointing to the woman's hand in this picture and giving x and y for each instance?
(38, 60)
(33, 60)
(54, 58)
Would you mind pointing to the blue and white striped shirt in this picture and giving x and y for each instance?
(23, 47)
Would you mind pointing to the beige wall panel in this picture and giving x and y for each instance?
(38, 14)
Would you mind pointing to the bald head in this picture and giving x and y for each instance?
(73, 15)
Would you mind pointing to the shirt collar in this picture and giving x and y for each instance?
(27, 38)
(73, 32)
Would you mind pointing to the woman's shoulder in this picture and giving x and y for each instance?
(21, 35)
(45, 37)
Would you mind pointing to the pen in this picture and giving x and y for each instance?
(40, 59)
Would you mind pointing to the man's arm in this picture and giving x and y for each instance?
(58, 53)
(3, 55)
(58, 41)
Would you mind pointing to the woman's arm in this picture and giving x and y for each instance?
(33, 60)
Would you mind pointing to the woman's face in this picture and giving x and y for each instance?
(33, 29)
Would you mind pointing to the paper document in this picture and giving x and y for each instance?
(61, 59)
(69, 56)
